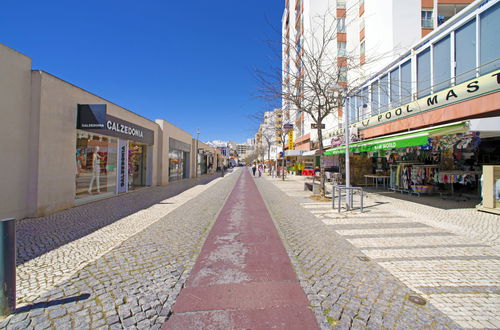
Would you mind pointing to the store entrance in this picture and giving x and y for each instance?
(137, 165)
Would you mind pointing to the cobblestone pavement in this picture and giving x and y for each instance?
(135, 282)
(448, 254)
(50, 249)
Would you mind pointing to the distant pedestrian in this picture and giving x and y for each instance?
(254, 168)
(261, 168)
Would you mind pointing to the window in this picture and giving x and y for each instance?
(427, 21)
(374, 98)
(341, 46)
(341, 4)
(96, 163)
(441, 64)
(406, 91)
(489, 30)
(465, 52)
(394, 89)
(424, 73)
(342, 73)
(362, 48)
(363, 103)
(361, 24)
(340, 24)
(384, 92)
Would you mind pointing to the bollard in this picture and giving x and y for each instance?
(7, 266)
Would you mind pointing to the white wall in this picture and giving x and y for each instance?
(15, 109)
(56, 140)
(171, 131)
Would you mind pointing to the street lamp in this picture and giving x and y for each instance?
(196, 153)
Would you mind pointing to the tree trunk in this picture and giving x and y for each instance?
(283, 163)
(269, 157)
(322, 187)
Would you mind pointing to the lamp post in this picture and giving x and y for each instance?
(196, 153)
(347, 161)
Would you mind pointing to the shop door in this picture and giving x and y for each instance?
(137, 166)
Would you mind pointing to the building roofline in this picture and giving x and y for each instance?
(67, 82)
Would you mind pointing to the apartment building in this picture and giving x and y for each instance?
(373, 32)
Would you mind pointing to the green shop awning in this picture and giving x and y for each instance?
(402, 140)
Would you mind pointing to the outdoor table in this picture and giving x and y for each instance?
(375, 178)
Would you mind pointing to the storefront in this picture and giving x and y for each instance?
(446, 158)
(178, 160)
(112, 155)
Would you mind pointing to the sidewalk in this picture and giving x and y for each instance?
(50, 249)
(243, 278)
(447, 253)
(135, 283)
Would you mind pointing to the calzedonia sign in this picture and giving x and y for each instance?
(485, 84)
(93, 118)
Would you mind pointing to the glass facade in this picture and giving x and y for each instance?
(395, 87)
(489, 26)
(442, 64)
(177, 165)
(424, 73)
(96, 165)
(137, 165)
(465, 51)
(406, 82)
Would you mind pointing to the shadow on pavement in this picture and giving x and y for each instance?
(37, 236)
(432, 200)
(56, 302)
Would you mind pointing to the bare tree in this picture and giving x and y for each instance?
(316, 84)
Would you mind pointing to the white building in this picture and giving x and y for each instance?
(373, 32)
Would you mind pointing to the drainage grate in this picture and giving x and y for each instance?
(417, 300)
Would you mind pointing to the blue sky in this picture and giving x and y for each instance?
(189, 62)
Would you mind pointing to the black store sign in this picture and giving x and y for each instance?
(91, 116)
(119, 128)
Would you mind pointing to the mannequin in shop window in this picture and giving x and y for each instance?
(96, 171)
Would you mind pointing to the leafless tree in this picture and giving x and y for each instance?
(316, 83)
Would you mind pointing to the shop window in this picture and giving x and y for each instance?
(137, 166)
(394, 88)
(175, 168)
(96, 161)
(424, 73)
(384, 92)
(406, 91)
(489, 30)
(465, 52)
(442, 64)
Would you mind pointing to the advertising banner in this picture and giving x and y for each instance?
(291, 144)
(122, 171)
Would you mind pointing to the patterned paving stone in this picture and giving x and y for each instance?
(345, 290)
(135, 283)
(445, 251)
(50, 249)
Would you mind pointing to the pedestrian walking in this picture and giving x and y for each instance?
(261, 168)
(254, 168)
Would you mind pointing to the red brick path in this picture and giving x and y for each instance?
(243, 277)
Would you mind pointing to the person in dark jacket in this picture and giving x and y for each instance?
(254, 168)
